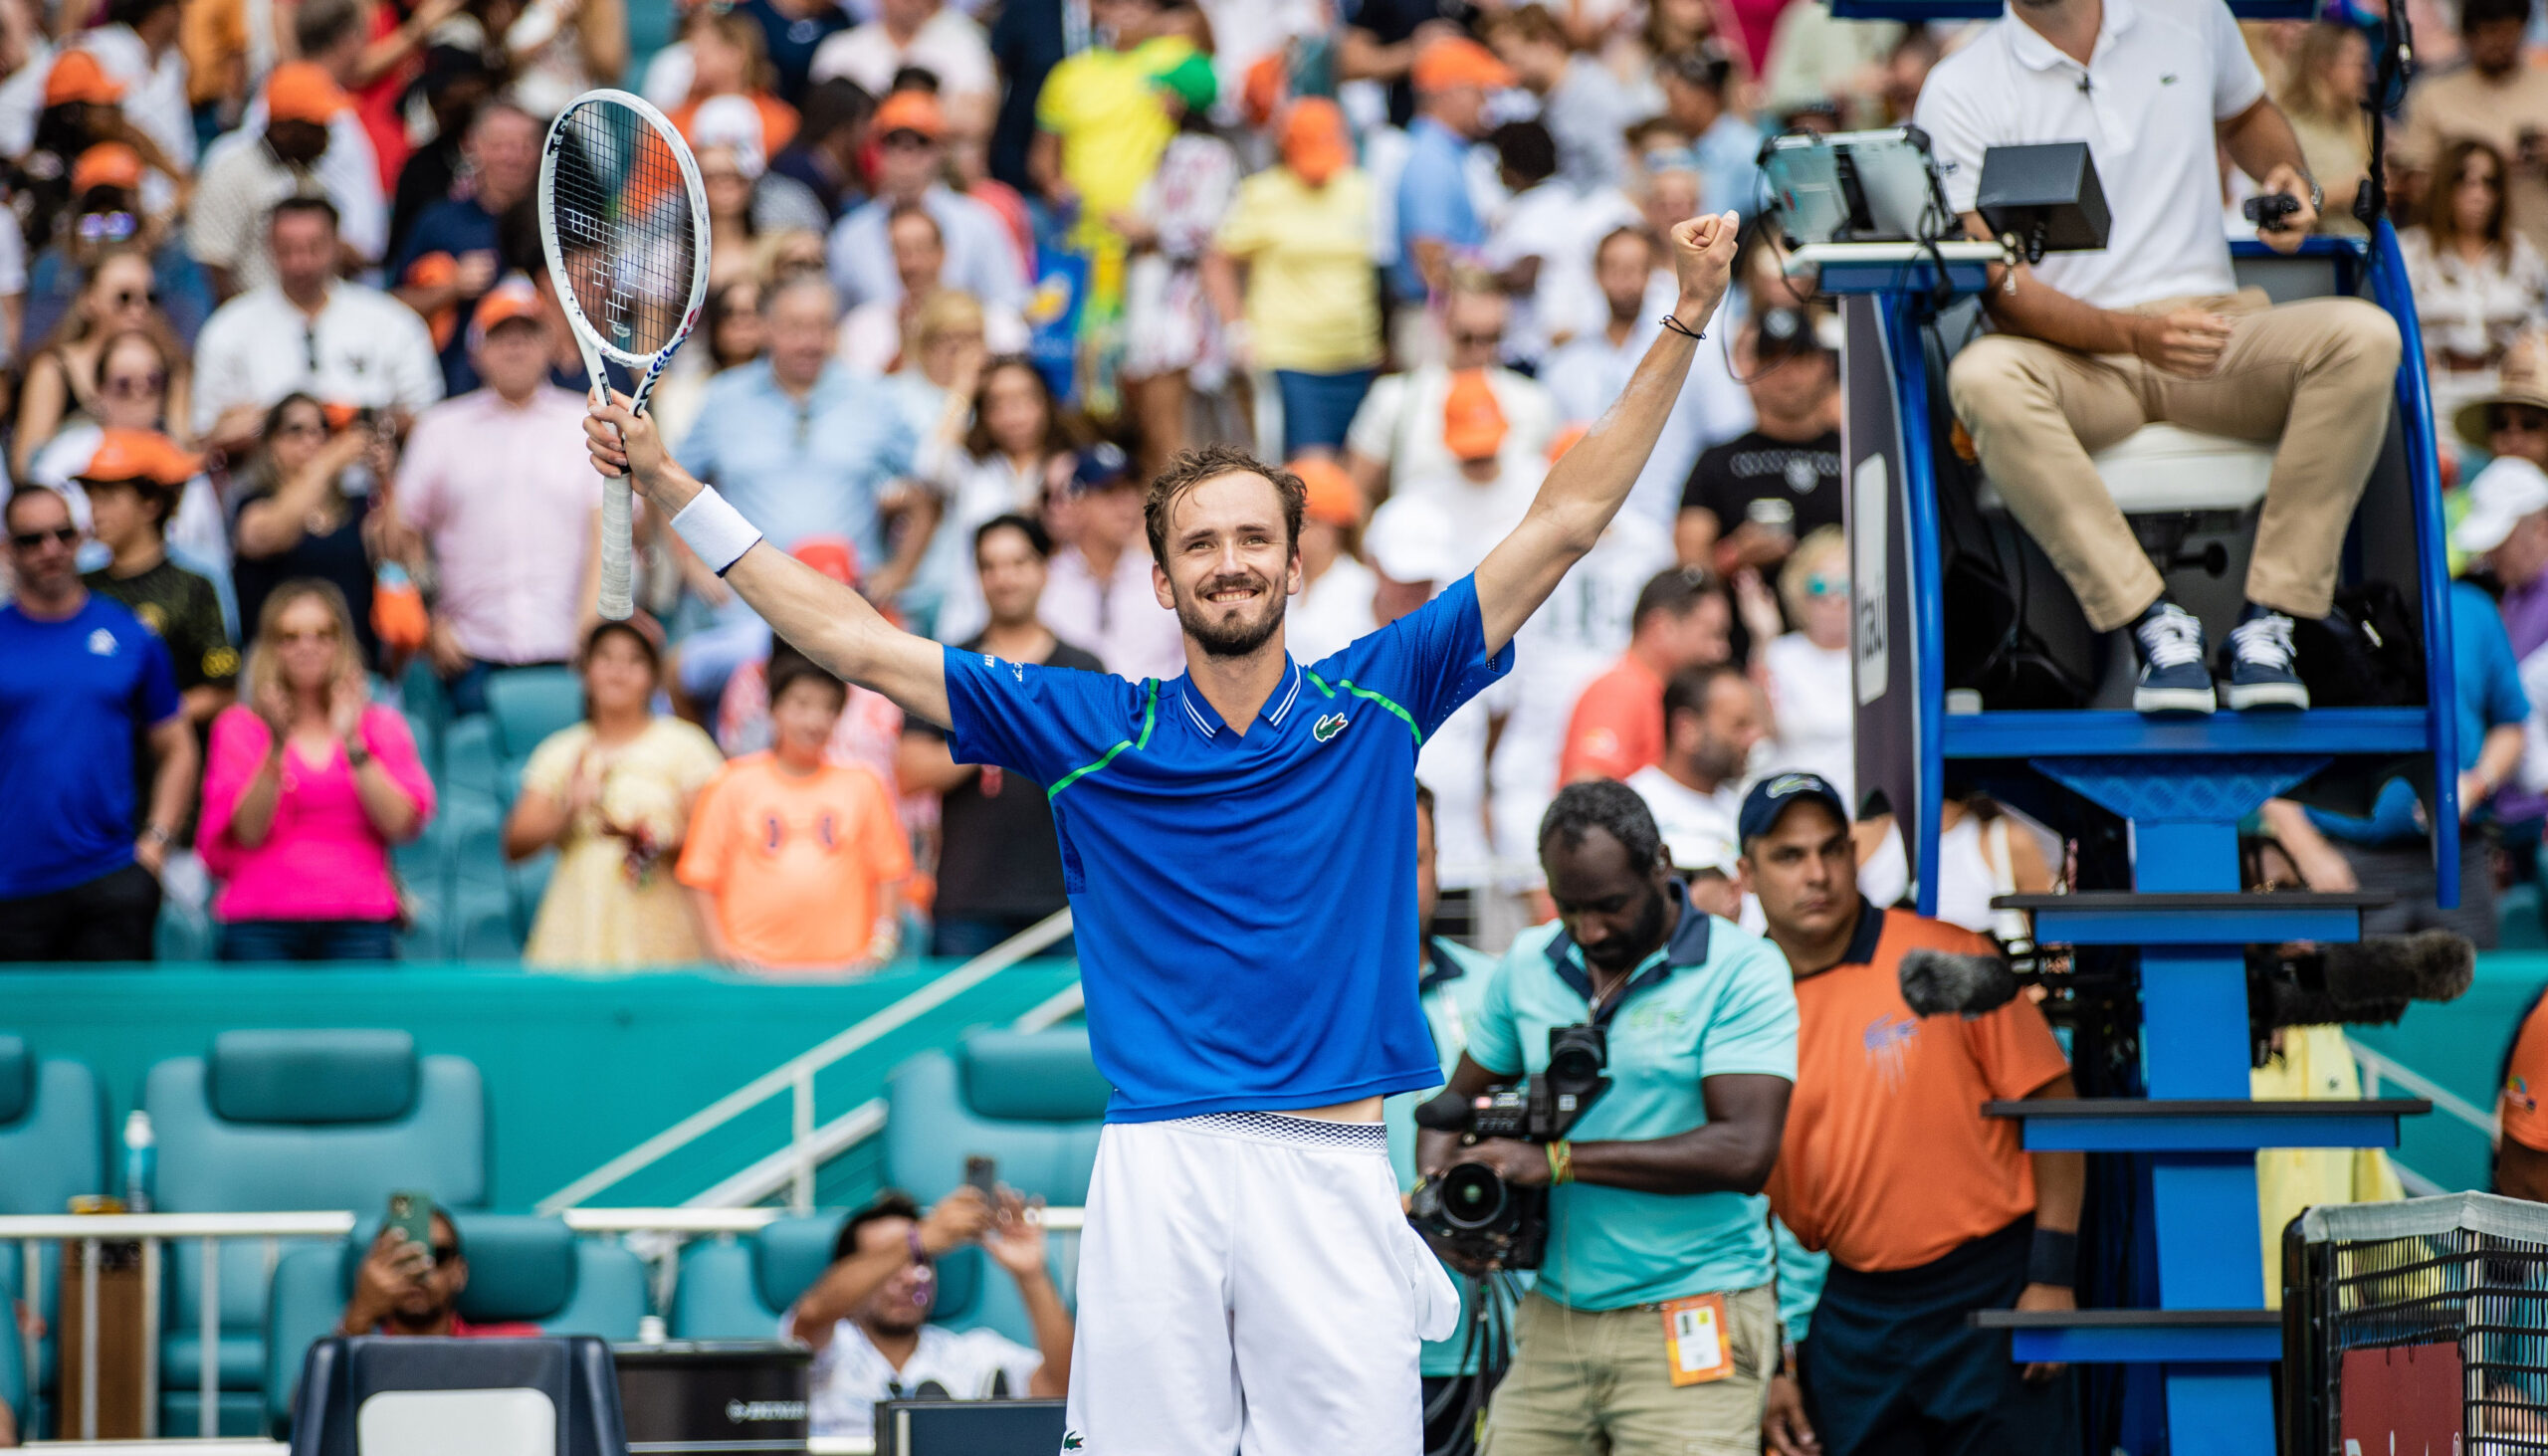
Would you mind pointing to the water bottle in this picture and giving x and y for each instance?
(140, 1156)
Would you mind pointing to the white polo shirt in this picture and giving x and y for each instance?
(850, 1376)
(365, 347)
(2163, 73)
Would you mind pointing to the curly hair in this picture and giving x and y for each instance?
(1192, 467)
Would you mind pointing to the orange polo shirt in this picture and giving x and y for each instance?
(1617, 728)
(2526, 1082)
(797, 864)
(1888, 1161)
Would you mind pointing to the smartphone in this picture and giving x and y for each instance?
(412, 1215)
(983, 1173)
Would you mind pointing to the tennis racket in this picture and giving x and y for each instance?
(623, 221)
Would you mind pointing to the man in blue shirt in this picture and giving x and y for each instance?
(453, 255)
(79, 680)
(803, 449)
(1436, 221)
(1656, 1189)
(1238, 846)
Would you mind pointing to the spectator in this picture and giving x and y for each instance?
(1171, 336)
(337, 36)
(1302, 231)
(1713, 720)
(227, 231)
(2495, 98)
(1100, 127)
(777, 203)
(791, 862)
(2079, 360)
(1585, 109)
(802, 449)
(80, 680)
(132, 482)
(791, 31)
(872, 334)
(1100, 596)
(2325, 82)
(1334, 605)
(1807, 670)
(911, 155)
(1437, 224)
(613, 796)
(1653, 1197)
(453, 254)
(105, 216)
(295, 517)
(727, 176)
(1013, 443)
(2478, 285)
(999, 866)
(2389, 851)
(308, 786)
(1390, 441)
(1592, 370)
(1750, 498)
(730, 57)
(137, 47)
(308, 331)
(1681, 621)
(929, 34)
(869, 733)
(405, 1288)
(499, 494)
(454, 84)
(1541, 244)
(867, 1318)
(732, 334)
(2521, 1154)
(825, 152)
(64, 373)
(1724, 147)
(560, 48)
(1929, 1210)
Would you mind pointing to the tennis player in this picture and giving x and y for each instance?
(1239, 849)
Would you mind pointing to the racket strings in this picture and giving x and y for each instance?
(620, 209)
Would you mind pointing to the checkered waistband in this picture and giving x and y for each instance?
(1295, 1131)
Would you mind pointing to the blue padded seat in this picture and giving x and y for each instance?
(574, 1373)
(275, 1121)
(52, 1147)
(526, 705)
(521, 1269)
(1034, 1101)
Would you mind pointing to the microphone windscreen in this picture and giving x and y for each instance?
(2431, 966)
(1944, 982)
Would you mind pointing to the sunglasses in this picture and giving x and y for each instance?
(132, 298)
(2516, 418)
(108, 227)
(136, 387)
(1487, 338)
(1819, 585)
(28, 540)
(445, 1253)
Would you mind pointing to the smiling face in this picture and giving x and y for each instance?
(1231, 564)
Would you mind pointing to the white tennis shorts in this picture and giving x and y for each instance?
(1248, 1286)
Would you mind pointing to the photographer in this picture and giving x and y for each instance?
(1652, 1195)
(1929, 1210)
(2093, 346)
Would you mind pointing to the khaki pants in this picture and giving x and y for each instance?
(2316, 375)
(1590, 1381)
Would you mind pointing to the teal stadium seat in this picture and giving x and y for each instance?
(275, 1121)
(469, 758)
(53, 1147)
(521, 1269)
(736, 1289)
(13, 1364)
(526, 705)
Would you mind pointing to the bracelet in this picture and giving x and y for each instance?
(1561, 1162)
(1673, 323)
(715, 531)
(2053, 1258)
(920, 1251)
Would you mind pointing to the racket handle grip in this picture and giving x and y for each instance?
(618, 568)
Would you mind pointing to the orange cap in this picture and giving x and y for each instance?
(1334, 498)
(1459, 60)
(76, 77)
(512, 297)
(1472, 421)
(106, 164)
(303, 91)
(832, 556)
(141, 455)
(1314, 144)
(910, 110)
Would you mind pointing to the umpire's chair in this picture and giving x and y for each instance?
(391, 1397)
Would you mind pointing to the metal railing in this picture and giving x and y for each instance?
(2378, 1068)
(151, 1230)
(795, 1078)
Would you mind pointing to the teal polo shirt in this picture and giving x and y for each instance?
(1716, 1001)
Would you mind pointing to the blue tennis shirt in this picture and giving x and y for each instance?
(1245, 905)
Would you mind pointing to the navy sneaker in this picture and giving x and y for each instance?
(2174, 675)
(2260, 667)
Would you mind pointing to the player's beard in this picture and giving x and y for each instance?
(1234, 636)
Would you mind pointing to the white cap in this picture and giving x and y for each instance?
(730, 122)
(1410, 540)
(1693, 848)
(2509, 488)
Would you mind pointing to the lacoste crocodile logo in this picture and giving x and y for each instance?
(1328, 727)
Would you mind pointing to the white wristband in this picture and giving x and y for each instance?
(716, 532)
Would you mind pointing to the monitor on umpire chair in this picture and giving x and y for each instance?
(387, 1395)
(969, 1428)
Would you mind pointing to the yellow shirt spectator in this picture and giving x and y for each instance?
(1103, 105)
(1310, 305)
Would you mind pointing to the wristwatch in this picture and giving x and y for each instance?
(156, 834)
(2317, 197)
(357, 753)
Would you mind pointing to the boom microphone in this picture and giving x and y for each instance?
(1941, 983)
(2369, 982)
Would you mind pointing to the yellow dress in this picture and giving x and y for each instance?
(2315, 1063)
(595, 914)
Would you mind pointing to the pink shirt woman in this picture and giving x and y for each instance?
(307, 786)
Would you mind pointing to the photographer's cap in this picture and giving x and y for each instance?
(1772, 797)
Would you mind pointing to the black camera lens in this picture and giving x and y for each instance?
(1473, 1196)
(1576, 1055)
